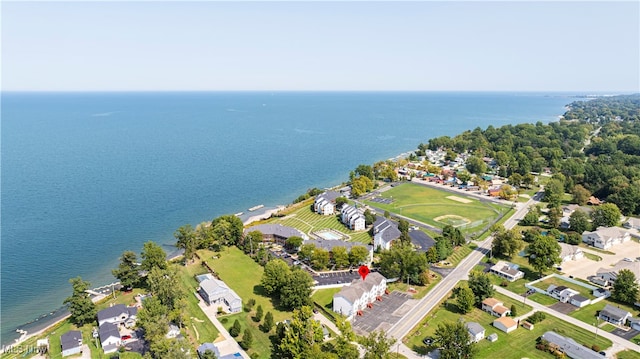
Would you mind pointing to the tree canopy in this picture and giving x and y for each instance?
(82, 309)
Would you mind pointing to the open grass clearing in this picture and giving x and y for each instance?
(542, 299)
(544, 285)
(324, 297)
(420, 290)
(628, 354)
(588, 314)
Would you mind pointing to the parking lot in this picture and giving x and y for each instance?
(336, 277)
(585, 267)
(382, 200)
(421, 239)
(384, 313)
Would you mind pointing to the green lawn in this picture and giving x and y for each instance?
(542, 299)
(593, 257)
(324, 297)
(421, 291)
(517, 344)
(425, 204)
(306, 220)
(243, 275)
(585, 292)
(588, 313)
(628, 354)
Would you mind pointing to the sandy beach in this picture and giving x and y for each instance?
(263, 215)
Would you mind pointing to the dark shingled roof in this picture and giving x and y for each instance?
(71, 339)
(112, 312)
(276, 229)
(613, 312)
(329, 196)
(570, 347)
(107, 330)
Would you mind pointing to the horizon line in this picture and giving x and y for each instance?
(600, 92)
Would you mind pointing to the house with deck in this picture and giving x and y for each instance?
(360, 294)
(561, 293)
(325, 203)
(352, 217)
(109, 337)
(118, 314)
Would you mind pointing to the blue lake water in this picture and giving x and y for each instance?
(88, 176)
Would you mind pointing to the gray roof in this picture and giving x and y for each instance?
(474, 328)
(276, 229)
(358, 287)
(329, 196)
(71, 339)
(207, 346)
(107, 330)
(386, 229)
(613, 312)
(579, 298)
(570, 347)
(112, 312)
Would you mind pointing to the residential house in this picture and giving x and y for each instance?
(579, 301)
(607, 276)
(561, 293)
(476, 331)
(632, 223)
(71, 343)
(605, 237)
(566, 214)
(634, 323)
(507, 270)
(594, 201)
(614, 315)
(505, 324)
(276, 233)
(352, 218)
(570, 252)
(384, 232)
(325, 203)
(495, 307)
(360, 294)
(118, 314)
(215, 292)
(570, 347)
(109, 337)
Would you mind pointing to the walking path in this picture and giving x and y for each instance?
(229, 342)
(619, 344)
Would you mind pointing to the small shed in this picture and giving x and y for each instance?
(493, 337)
(527, 326)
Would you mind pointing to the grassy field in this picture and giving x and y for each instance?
(243, 275)
(585, 292)
(425, 204)
(628, 354)
(324, 297)
(517, 344)
(588, 313)
(306, 220)
(542, 299)
(459, 253)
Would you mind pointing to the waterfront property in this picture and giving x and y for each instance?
(605, 237)
(614, 315)
(507, 271)
(325, 203)
(118, 314)
(276, 232)
(384, 233)
(352, 217)
(360, 294)
(495, 307)
(215, 292)
(71, 343)
(109, 337)
(569, 346)
(505, 324)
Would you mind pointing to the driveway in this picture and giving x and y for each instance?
(564, 308)
(627, 334)
(421, 240)
(585, 267)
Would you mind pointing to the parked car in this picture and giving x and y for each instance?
(628, 260)
(125, 337)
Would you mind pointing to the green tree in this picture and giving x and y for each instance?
(293, 242)
(402, 261)
(366, 171)
(403, 226)
(204, 235)
(229, 233)
(344, 347)
(606, 215)
(514, 310)
(319, 259)
(476, 165)
(481, 286)
(506, 242)
(253, 240)
(235, 329)
(580, 195)
(209, 354)
(247, 339)
(432, 255)
(531, 218)
(153, 256)
(165, 285)
(528, 180)
(305, 252)
(296, 339)
(127, 271)
(275, 276)
(186, 239)
(453, 235)
(377, 345)
(625, 288)
(340, 257)
(465, 299)
(544, 252)
(579, 221)
(341, 201)
(443, 247)
(82, 309)
(268, 323)
(153, 318)
(358, 255)
(453, 339)
(297, 290)
(259, 313)
(553, 192)
(369, 217)
(554, 215)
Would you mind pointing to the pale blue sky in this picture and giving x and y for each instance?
(439, 46)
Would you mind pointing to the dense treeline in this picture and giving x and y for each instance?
(596, 153)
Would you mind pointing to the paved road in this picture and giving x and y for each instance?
(618, 343)
(442, 289)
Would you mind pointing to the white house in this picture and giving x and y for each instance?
(476, 331)
(71, 343)
(352, 218)
(495, 307)
(570, 252)
(561, 293)
(632, 223)
(384, 233)
(359, 294)
(118, 314)
(325, 203)
(506, 270)
(605, 237)
(614, 315)
(579, 301)
(109, 337)
(215, 292)
(607, 276)
(505, 324)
